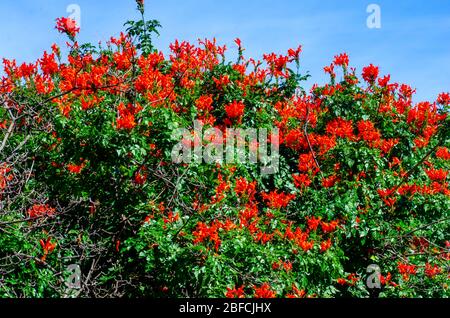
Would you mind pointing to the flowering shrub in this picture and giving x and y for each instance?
(87, 178)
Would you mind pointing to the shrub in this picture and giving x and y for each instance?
(86, 177)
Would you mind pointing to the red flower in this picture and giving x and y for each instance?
(235, 110)
(287, 266)
(5, 177)
(276, 266)
(395, 162)
(208, 233)
(385, 280)
(171, 218)
(204, 103)
(306, 246)
(437, 175)
(387, 145)
(329, 227)
(352, 279)
(341, 60)
(330, 181)
(263, 237)
(444, 99)
(68, 26)
(407, 270)
(276, 200)
(40, 210)
(74, 168)
(368, 132)
(3, 124)
(295, 53)
(235, 292)
(325, 246)
(248, 214)
(302, 181)
(383, 82)
(390, 202)
(307, 164)
(340, 128)
(245, 189)
(443, 153)
(406, 91)
(126, 119)
(48, 247)
(342, 281)
(370, 73)
(141, 176)
(48, 64)
(313, 223)
(329, 70)
(264, 292)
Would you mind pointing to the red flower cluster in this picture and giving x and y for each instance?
(210, 233)
(205, 232)
(235, 110)
(341, 60)
(47, 247)
(300, 238)
(76, 169)
(126, 119)
(245, 189)
(49, 66)
(264, 292)
(235, 292)
(370, 73)
(437, 175)
(329, 227)
(326, 245)
(432, 271)
(313, 223)
(277, 200)
(443, 153)
(204, 104)
(5, 176)
(286, 265)
(340, 128)
(141, 176)
(351, 280)
(68, 26)
(330, 181)
(302, 181)
(278, 63)
(307, 164)
(406, 270)
(368, 132)
(40, 210)
(444, 99)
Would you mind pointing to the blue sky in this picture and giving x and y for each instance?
(412, 45)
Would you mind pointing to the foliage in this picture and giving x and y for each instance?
(87, 178)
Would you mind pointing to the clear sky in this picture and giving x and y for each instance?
(412, 44)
